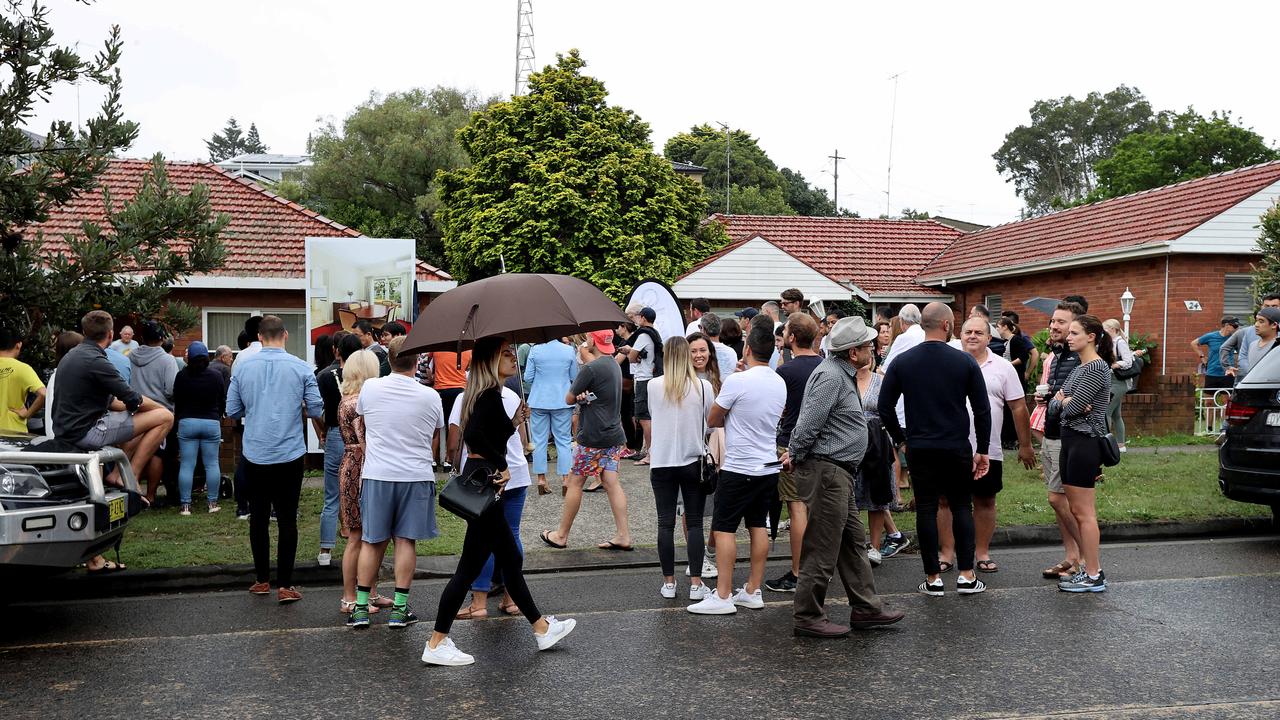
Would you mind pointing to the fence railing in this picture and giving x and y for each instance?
(1211, 410)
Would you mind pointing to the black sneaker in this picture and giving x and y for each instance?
(892, 546)
(446, 467)
(401, 617)
(786, 583)
(969, 587)
(934, 589)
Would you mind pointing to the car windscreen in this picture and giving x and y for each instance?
(1266, 372)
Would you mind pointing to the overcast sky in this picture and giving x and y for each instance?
(804, 77)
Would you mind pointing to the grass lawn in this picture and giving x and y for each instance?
(1168, 440)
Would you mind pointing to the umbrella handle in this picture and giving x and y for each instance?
(470, 317)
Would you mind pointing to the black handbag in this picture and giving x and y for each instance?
(709, 474)
(1109, 449)
(471, 494)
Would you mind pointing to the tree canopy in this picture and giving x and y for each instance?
(756, 185)
(562, 181)
(377, 172)
(1184, 146)
(1051, 161)
(1266, 274)
(124, 265)
(233, 141)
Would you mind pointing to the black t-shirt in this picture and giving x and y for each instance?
(1020, 349)
(328, 380)
(796, 374)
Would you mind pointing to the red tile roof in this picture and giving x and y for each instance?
(265, 237)
(428, 272)
(881, 257)
(1148, 218)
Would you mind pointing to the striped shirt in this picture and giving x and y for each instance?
(1088, 386)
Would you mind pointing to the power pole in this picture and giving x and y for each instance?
(524, 45)
(726, 165)
(888, 175)
(835, 175)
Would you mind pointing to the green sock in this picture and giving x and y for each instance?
(362, 597)
(402, 597)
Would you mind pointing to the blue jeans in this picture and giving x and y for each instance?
(559, 423)
(333, 449)
(512, 509)
(198, 436)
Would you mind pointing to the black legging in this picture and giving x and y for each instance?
(668, 483)
(950, 473)
(487, 535)
(274, 486)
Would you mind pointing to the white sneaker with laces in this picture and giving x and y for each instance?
(699, 592)
(713, 604)
(446, 653)
(754, 600)
(556, 630)
(324, 559)
(709, 570)
(668, 590)
(874, 556)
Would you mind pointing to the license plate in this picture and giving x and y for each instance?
(115, 509)
(1273, 419)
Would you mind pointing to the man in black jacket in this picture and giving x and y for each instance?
(1064, 361)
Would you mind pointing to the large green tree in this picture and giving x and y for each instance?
(233, 141)
(1051, 161)
(1266, 273)
(1184, 146)
(124, 264)
(562, 181)
(377, 172)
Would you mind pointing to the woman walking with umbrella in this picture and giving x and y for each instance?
(487, 429)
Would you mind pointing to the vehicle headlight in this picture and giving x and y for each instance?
(23, 482)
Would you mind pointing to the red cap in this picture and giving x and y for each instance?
(603, 340)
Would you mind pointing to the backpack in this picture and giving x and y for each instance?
(653, 335)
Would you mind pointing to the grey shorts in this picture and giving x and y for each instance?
(114, 428)
(397, 509)
(641, 403)
(1050, 454)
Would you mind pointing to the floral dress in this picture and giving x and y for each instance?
(351, 425)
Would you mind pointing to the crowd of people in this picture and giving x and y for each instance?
(773, 410)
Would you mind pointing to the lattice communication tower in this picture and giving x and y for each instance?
(524, 45)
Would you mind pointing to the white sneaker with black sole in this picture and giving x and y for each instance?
(969, 587)
(752, 601)
(932, 589)
(668, 591)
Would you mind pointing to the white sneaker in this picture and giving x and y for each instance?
(324, 559)
(755, 600)
(874, 556)
(709, 570)
(713, 604)
(556, 630)
(668, 591)
(446, 653)
(699, 592)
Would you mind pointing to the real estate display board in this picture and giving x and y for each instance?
(353, 279)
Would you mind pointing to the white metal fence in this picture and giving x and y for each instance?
(1211, 410)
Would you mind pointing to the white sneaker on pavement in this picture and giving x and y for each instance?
(446, 653)
(668, 590)
(713, 604)
(699, 592)
(556, 630)
(754, 600)
(874, 556)
(324, 559)
(709, 570)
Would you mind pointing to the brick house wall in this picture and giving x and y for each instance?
(1168, 408)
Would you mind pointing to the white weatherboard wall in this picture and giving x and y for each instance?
(1232, 231)
(757, 269)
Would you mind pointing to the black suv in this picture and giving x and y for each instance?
(1249, 456)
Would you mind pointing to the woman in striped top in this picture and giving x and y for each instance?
(1083, 402)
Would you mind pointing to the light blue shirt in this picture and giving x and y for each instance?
(550, 371)
(121, 362)
(270, 391)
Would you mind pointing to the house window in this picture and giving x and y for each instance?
(993, 304)
(222, 327)
(390, 289)
(1238, 296)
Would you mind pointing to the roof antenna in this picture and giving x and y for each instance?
(503, 262)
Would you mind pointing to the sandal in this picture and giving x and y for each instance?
(377, 602)
(472, 613)
(1055, 571)
(546, 538)
(509, 608)
(108, 566)
(543, 489)
(944, 566)
(987, 566)
(346, 607)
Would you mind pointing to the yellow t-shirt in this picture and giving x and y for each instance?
(17, 379)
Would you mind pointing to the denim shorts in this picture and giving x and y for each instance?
(113, 428)
(397, 509)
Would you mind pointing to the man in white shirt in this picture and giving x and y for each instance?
(726, 358)
(1003, 388)
(402, 422)
(748, 407)
(126, 344)
(251, 331)
(697, 308)
(911, 336)
(645, 355)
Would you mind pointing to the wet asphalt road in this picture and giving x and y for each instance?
(1187, 629)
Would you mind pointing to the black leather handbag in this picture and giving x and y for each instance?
(471, 494)
(709, 475)
(1108, 448)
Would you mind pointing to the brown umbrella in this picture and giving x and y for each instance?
(522, 307)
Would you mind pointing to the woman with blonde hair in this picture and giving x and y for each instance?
(1119, 386)
(488, 421)
(679, 402)
(360, 366)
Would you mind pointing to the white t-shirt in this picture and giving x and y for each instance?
(400, 417)
(1002, 387)
(677, 429)
(516, 464)
(754, 400)
(693, 327)
(727, 359)
(642, 369)
(254, 348)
